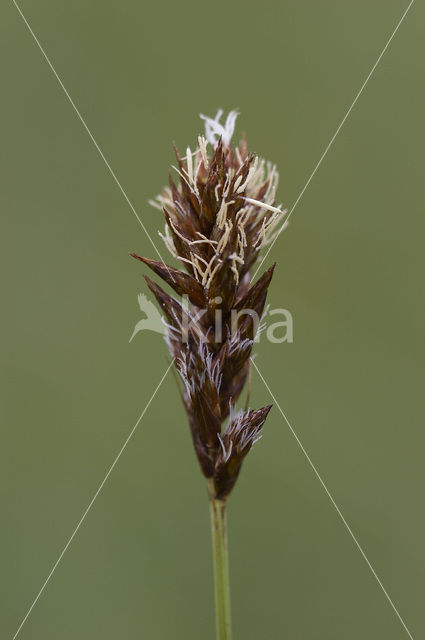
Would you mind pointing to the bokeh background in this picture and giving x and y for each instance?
(350, 270)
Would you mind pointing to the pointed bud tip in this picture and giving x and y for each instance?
(134, 255)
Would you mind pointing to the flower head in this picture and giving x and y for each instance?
(218, 217)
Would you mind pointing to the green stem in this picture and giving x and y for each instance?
(221, 568)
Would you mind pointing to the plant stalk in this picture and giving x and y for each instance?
(221, 567)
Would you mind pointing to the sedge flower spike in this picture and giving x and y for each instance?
(218, 217)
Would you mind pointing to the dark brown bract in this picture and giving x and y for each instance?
(217, 219)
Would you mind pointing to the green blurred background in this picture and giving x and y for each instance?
(349, 269)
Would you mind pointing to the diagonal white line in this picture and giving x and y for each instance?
(341, 124)
(83, 122)
(83, 517)
(347, 526)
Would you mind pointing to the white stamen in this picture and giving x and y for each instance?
(208, 270)
(193, 187)
(235, 272)
(263, 205)
(189, 164)
(234, 256)
(177, 232)
(214, 130)
(213, 272)
(155, 204)
(168, 241)
(237, 183)
(203, 149)
(225, 237)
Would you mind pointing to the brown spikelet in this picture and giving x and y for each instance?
(218, 217)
